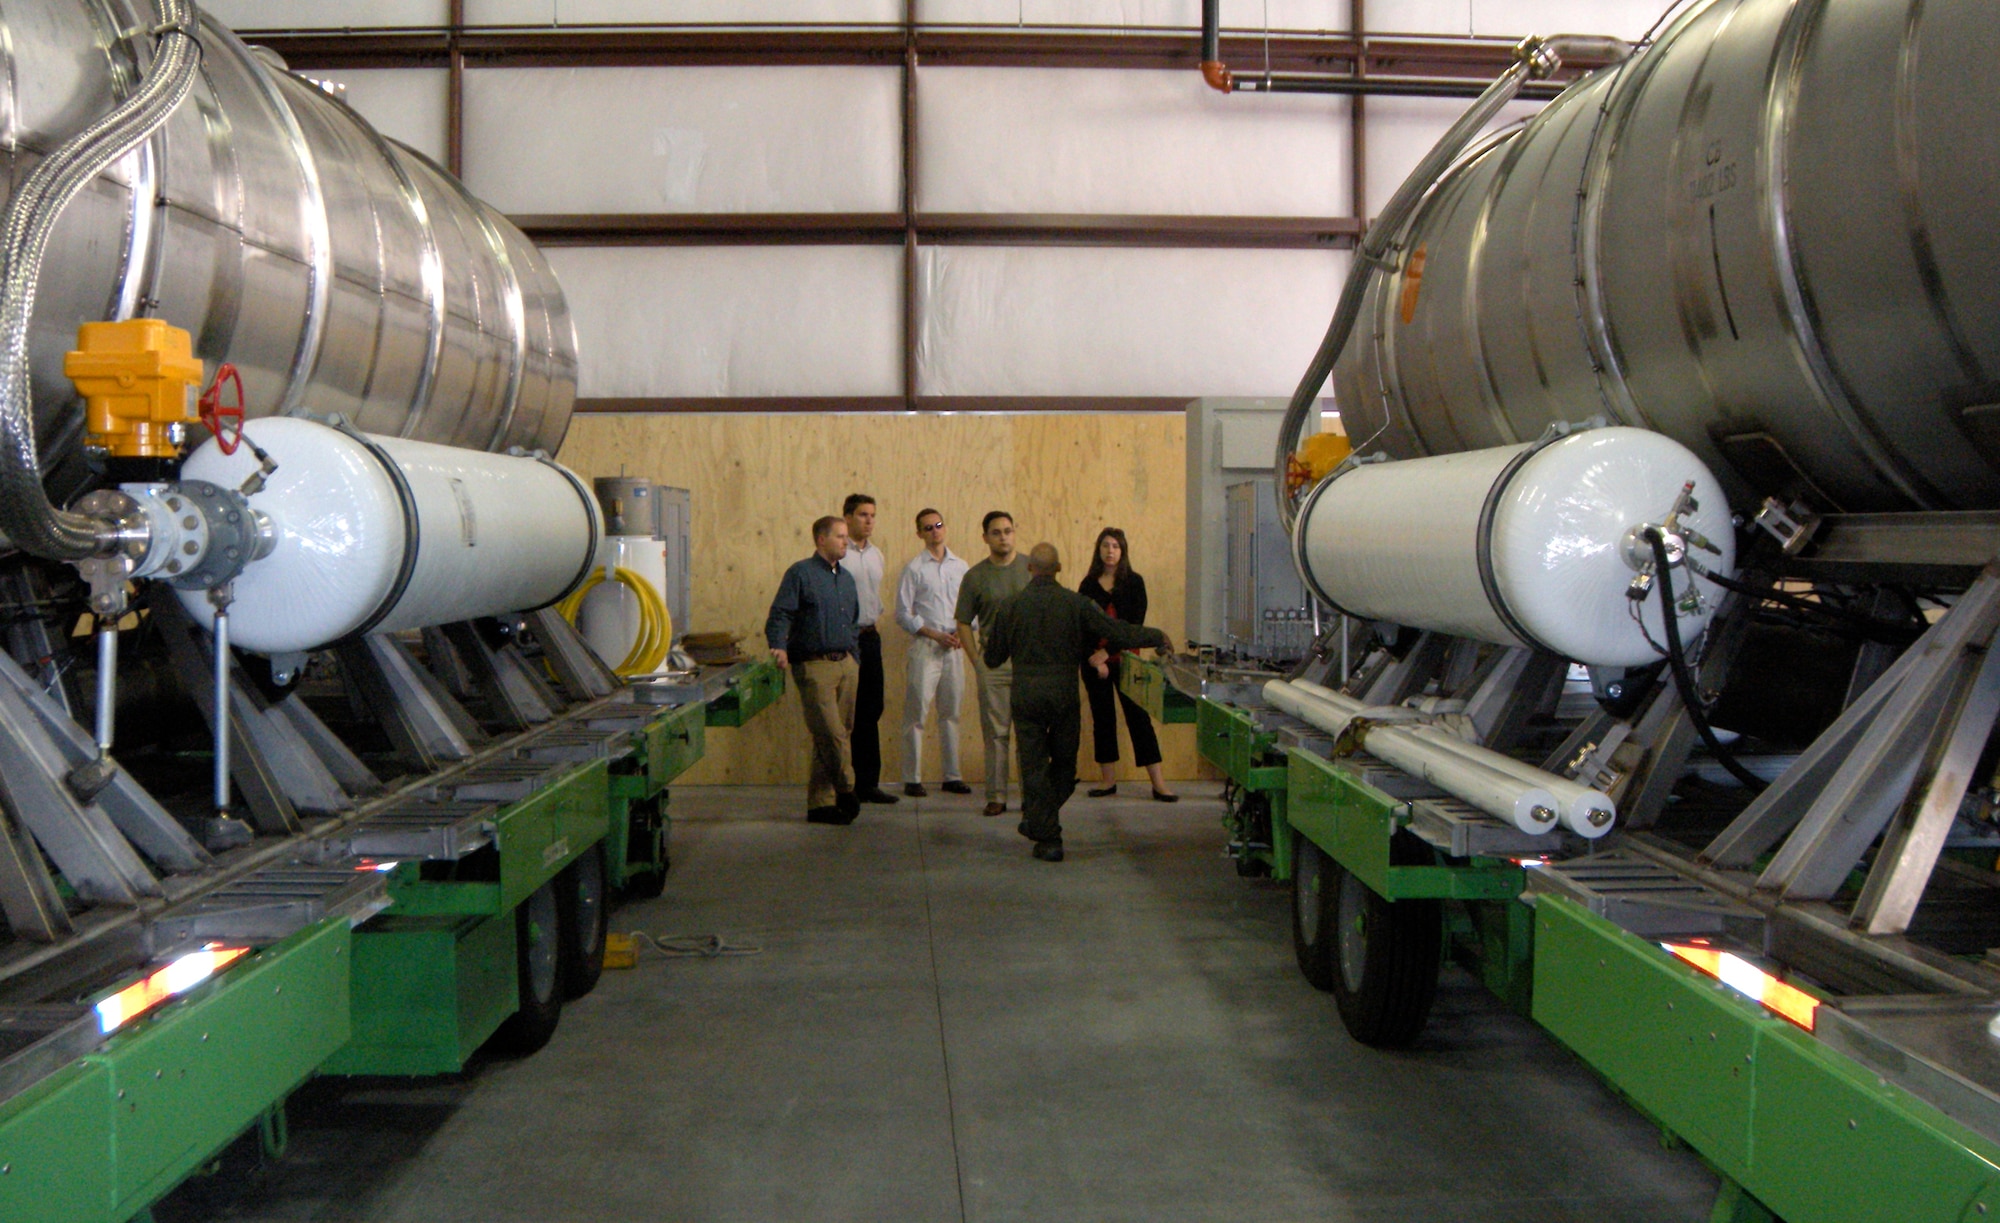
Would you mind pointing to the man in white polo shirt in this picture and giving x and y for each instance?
(926, 602)
(864, 561)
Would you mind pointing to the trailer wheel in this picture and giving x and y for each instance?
(1387, 954)
(581, 904)
(647, 827)
(1313, 940)
(538, 967)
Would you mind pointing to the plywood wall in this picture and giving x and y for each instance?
(758, 481)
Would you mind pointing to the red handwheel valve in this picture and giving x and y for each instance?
(216, 415)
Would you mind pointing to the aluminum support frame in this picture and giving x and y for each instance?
(427, 726)
(1931, 711)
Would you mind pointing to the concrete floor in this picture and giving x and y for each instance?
(940, 1028)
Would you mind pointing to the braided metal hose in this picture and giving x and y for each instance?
(1534, 59)
(26, 517)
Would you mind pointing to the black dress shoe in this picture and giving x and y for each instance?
(995, 808)
(847, 803)
(915, 789)
(876, 795)
(1106, 792)
(1022, 828)
(1048, 851)
(827, 815)
(955, 787)
(1161, 796)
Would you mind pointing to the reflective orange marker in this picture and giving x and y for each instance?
(1739, 974)
(178, 977)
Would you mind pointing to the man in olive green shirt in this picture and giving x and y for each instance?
(1048, 631)
(993, 581)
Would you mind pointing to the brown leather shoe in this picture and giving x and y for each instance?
(994, 809)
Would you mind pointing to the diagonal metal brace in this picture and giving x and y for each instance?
(1886, 748)
(1832, 756)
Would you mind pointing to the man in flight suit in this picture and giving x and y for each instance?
(1048, 631)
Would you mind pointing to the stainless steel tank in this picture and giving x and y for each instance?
(339, 271)
(1773, 236)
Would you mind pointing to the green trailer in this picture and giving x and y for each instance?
(1812, 1109)
(433, 920)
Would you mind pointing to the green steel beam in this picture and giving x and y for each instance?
(1146, 684)
(1808, 1132)
(673, 744)
(108, 1135)
(546, 831)
(1354, 823)
(760, 686)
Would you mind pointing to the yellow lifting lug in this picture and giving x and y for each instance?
(141, 385)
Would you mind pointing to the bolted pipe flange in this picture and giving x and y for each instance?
(234, 534)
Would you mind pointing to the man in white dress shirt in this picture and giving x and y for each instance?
(926, 603)
(864, 562)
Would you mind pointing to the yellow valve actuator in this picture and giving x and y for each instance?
(1321, 453)
(137, 378)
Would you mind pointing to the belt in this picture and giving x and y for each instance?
(829, 656)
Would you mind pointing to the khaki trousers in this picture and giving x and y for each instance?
(996, 722)
(826, 695)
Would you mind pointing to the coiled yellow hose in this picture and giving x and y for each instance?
(656, 623)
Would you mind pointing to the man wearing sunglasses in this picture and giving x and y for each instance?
(926, 599)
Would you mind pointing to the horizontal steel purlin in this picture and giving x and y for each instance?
(1439, 66)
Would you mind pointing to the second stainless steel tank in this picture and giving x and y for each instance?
(340, 271)
(1771, 236)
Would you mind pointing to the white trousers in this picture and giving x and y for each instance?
(934, 674)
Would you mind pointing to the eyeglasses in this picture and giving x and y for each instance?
(933, 526)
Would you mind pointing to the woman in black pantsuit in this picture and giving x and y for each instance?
(1113, 586)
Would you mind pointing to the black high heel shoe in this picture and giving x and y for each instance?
(1106, 792)
(1161, 796)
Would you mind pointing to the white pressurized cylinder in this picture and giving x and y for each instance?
(1530, 808)
(1519, 545)
(380, 534)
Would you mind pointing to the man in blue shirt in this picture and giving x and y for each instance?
(812, 629)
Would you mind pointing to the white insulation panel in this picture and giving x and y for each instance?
(1513, 18)
(1113, 321)
(320, 14)
(1185, 14)
(1402, 130)
(678, 12)
(759, 139)
(406, 104)
(1070, 140)
(735, 320)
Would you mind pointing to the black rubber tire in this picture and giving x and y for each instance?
(538, 971)
(647, 885)
(583, 903)
(646, 860)
(1313, 940)
(1385, 954)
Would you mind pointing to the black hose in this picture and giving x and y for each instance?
(1888, 632)
(1683, 678)
(1211, 31)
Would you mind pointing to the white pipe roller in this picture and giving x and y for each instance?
(381, 534)
(1586, 812)
(1530, 808)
